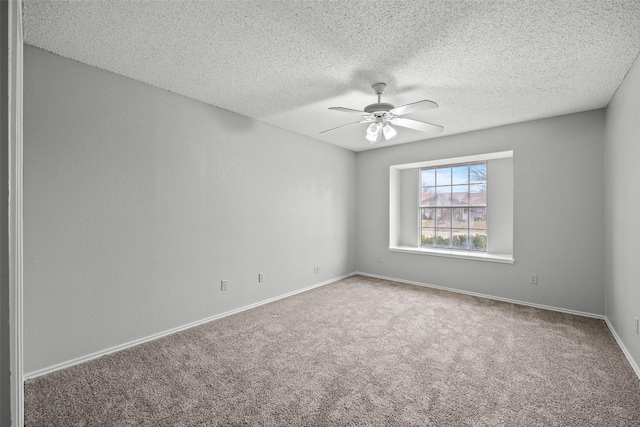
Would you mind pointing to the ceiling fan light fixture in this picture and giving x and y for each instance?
(373, 132)
(389, 132)
(372, 138)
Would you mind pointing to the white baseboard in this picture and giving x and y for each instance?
(632, 362)
(476, 294)
(104, 352)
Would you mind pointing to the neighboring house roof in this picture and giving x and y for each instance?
(429, 199)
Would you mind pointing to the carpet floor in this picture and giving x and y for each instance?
(360, 351)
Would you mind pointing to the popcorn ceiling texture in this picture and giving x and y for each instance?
(486, 63)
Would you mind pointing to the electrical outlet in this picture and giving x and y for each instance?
(379, 259)
(533, 279)
(260, 277)
(223, 285)
(316, 269)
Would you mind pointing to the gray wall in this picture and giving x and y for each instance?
(622, 204)
(138, 202)
(558, 213)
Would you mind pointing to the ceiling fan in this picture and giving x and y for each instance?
(382, 115)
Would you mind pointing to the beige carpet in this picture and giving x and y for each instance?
(360, 351)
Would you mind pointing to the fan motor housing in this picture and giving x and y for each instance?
(378, 107)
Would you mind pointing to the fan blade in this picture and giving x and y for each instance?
(417, 125)
(348, 124)
(347, 110)
(413, 107)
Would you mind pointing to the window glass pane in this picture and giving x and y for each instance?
(444, 196)
(460, 238)
(428, 177)
(428, 237)
(443, 218)
(460, 195)
(460, 218)
(477, 240)
(478, 173)
(443, 238)
(453, 210)
(477, 194)
(443, 176)
(428, 217)
(428, 196)
(478, 218)
(460, 174)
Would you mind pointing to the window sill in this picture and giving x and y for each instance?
(476, 256)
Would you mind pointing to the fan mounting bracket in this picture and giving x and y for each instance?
(379, 88)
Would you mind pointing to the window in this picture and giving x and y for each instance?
(453, 207)
(439, 207)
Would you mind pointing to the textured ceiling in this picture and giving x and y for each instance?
(486, 63)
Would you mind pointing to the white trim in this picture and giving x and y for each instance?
(15, 210)
(101, 353)
(448, 253)
(492, 297)
(632, 362)
(455, 160)
(104, 352)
